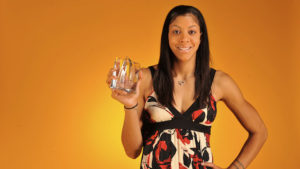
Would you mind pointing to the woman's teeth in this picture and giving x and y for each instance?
(184, 48)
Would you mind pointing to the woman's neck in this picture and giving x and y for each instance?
(184, 70)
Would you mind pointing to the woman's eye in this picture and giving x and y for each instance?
(192, 32)
(176, 31)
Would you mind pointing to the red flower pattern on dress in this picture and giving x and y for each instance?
(196, 161)
(152, 138)
(207, 137)
(208, 122)
(196, 114)
(162, 146)
(184, 139)
(212, 101)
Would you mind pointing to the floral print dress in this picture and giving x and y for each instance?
(176, 140)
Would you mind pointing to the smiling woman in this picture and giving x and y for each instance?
(172, 121)
(184, 37)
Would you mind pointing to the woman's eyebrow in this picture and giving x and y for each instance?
(189, 26)
(192, 26)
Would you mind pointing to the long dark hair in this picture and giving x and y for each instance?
(163, 82)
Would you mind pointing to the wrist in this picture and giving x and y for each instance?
(128, 107)
(236, 164)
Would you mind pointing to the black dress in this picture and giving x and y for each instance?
(177, 140)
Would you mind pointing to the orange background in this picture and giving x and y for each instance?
(56, 111)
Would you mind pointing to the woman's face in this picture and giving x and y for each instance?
(184, 37)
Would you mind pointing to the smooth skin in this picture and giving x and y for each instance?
(184, 40)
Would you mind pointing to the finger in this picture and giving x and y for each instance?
(109, 79)
(110, 72)
(140, 75)
(137, 87)
(114, 94)
(208, 164)
(110, 76)
(120, 92)
(140, 79)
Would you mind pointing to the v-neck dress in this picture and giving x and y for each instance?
(177, 140)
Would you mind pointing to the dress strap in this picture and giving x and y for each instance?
(212, 75)
(152, 70)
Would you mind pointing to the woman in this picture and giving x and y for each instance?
(171, 113)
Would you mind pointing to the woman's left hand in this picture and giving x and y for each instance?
(212, 165)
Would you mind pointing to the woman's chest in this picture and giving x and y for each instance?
(159, 113)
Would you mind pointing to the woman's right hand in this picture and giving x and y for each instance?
(127, 99)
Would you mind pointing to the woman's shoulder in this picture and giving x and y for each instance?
(221, 77)
(153, 66)
(219, 74)
(146, 82)
(147, 72)
(221, 83)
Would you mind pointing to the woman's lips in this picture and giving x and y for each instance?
(184, 49)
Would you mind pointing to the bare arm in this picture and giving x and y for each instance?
(247, 116)
(131, 132)
(230, 94)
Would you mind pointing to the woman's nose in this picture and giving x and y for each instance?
(184, 37)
